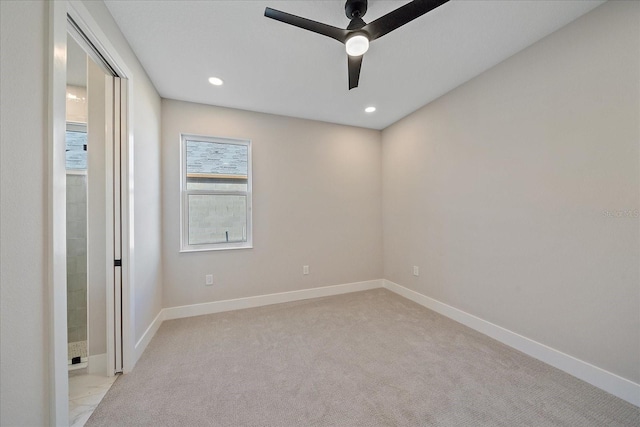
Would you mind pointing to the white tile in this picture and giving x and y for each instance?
(81, 418)
(85, 393)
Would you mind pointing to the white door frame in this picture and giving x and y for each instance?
(56, 246)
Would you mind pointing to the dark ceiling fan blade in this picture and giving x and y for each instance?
(400, 16)
(354, 64)
(307, 24)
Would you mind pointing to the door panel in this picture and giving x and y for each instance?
(117, 221)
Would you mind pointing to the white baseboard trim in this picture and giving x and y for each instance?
(76, 366)
(248, 302)
(145, 339)
(262, 300)
(607, 381)
(97, 364)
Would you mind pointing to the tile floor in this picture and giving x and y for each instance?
(85, 393)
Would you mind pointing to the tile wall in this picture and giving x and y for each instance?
(77, 257)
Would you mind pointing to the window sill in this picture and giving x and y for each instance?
(221, 248)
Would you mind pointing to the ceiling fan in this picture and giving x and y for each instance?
(358, 33)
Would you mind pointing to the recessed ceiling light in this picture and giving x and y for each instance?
(215, 81)
(370, 109)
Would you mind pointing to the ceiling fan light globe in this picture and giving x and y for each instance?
(357, 45)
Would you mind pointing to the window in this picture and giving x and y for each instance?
(216, 193)
(76, 147)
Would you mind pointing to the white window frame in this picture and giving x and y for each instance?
(184, 195)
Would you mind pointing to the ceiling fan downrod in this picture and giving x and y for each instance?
(355, 8)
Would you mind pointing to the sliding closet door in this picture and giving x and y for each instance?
(120, 134)
(116, 133)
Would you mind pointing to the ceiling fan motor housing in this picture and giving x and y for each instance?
(355, 8)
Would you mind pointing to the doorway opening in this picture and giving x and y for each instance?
(95, 123)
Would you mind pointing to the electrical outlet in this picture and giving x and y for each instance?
(208, 279)
(305, 269)
(416, 270)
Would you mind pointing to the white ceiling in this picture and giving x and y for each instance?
(272, 67)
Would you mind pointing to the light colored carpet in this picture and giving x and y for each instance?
(363, 359)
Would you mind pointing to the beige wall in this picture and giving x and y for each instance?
(146, 153)
(24, 352)
(24, 330)
(316, 202)
(499, 192)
